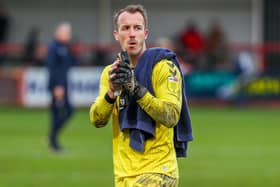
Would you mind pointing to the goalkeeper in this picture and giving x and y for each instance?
(143, 90)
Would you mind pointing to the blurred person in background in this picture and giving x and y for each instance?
(217, 53)
(193, 45)
(246, 71)
(30, 56)
(59, 61)
(169, 44)
(4, 30)
(151, 123)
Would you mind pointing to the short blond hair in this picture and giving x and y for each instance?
(131, 9)
(63, 30)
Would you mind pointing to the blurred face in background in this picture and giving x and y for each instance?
(63, 33)
(131, 33)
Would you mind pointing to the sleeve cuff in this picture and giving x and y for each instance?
(109, 99)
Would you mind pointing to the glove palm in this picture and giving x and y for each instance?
(125, 77)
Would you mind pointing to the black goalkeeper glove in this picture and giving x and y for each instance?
(123, 74)
(125, 77)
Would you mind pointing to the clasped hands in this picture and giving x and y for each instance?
(121, 76)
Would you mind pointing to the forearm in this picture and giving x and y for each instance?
(100, 112)
(161, 111)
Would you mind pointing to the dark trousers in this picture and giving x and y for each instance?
(60, 114)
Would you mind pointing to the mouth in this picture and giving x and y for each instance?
(132, 43)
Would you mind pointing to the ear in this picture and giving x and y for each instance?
(146, 33)
(116, 35)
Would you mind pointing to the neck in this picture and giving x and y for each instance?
(135, 58)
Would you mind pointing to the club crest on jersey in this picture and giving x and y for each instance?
(124, 100)
(173, 84)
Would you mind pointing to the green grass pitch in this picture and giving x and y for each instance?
(233, 147)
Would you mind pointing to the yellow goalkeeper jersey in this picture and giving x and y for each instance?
(164, 107)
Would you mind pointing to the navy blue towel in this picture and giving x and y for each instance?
(140, 124)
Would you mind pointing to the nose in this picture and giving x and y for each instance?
(132, 33)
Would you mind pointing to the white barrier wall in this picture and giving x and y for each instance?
(83, 86)
(34, 91)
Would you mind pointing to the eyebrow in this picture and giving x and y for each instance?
(138, 25)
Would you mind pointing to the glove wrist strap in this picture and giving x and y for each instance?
(109, 99)
(139, 91)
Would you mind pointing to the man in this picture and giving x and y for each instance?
(59, 61)
(147, 108)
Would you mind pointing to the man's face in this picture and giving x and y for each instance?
(131, 33)
(63, 34)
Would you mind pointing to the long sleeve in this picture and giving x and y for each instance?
(51, 65)
(165, 106)
(100, 110)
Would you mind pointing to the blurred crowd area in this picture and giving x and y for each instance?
(197, 50)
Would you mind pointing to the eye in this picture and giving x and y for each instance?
(138, 27)
(125, 27)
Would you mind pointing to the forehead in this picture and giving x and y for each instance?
(127, 18)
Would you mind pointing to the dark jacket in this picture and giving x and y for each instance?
(59, 60)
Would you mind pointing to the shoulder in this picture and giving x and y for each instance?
(53, 44)
(52, 47)
(165, 70)
(166, 66)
